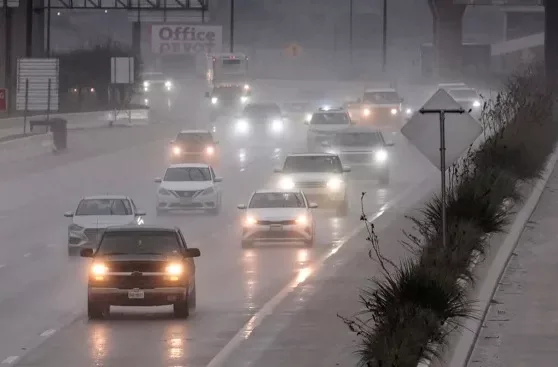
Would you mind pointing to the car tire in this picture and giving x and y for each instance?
(192, 299)
(96, 310)
(246, 244)
(181, 310)
(342, 208)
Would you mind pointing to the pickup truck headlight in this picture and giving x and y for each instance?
(366, 112)
(335, 184)
(214, 100)
(380, 156)
(242, 126)
(476, 104)
(174, 269)
(277, 126)
(176, 150)
(99, 269)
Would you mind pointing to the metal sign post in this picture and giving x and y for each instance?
(122, 72)
(25, 108)
(442, 115)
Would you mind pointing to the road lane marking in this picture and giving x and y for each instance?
(27, 254)
(48, 333)
(268, 308)
(10, 360)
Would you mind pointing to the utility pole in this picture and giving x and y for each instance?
(384, 38)
(351, 32)
(231, 41)
(8, 54)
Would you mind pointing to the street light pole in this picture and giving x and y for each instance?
(384, 38)
(231, 42)
(351, 31)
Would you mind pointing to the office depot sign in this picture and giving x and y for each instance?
(182, 39)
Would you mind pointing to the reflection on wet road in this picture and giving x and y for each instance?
(41, 289)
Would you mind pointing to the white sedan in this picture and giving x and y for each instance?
(189, 186)
(278, 216)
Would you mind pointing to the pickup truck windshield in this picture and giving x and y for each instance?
(139, 242)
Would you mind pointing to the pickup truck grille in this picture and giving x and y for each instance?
(140, 266)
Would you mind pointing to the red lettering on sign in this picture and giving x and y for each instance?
(3, 100)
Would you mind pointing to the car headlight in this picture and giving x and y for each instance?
(168, 85)
(214, 100)
(176, 150)
(366, 112)
(393, 111)
(380, 156)
(242, 126)
(308, 117)
(408, 111)
(164, 191)
(302, 220)
(246, 87)
(243, 99)
(75, 228)
(146, 84)
(210, 150)
(99, 269)
(249, 221)
(277, 126)
(476, 104)
(208, 191)
(334, 184)
(286, 183)
(174, 269)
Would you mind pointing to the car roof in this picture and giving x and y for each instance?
(312, 155)
(332, 110)
(107, 196)
(185, 165)
(142, 228)
(195, 132)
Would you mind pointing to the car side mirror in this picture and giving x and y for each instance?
(346, 169)
(207, 95)
(158, 180)
(192, 252)
(312, 205)
(141, 213)
(86, 252)
(241, 206)
(69, 214)
(277, 170)
(218, 179)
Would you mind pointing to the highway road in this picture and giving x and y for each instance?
(43, 291)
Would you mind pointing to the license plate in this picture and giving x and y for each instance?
(276, 227)
(136, 294)
(185, 201)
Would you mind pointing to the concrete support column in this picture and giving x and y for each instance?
(448, 37)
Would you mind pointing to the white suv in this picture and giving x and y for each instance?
(189, 186)
(318, 175)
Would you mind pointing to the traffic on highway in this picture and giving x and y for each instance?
(187, 219)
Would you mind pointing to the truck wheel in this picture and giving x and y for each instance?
(96, 311)
(181, 310)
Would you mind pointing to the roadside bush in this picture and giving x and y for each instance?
(414, 305)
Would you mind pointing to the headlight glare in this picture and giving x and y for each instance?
(302, 220)
(277, 126)
(286, 183)
(176, 150)
(334, 184)
(380, 156)
(146, 84)
(476, 104)
(242, 126)
(210, 150)
(393, 111)
(99, 269)
(408, 111)
(308, 117)
(243, 99)
(174, 269)
(214, 100)
(249, 221)
(366, 112)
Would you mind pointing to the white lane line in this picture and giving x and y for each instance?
(10, 360)
(48, 333)
(27, 254)
(244, 333)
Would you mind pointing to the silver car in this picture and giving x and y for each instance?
(94, 214)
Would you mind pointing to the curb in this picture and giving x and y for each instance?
(467, 340)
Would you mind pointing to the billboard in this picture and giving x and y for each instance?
(184, 39)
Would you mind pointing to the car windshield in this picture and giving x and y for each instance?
(463, 93)
(262, 109)
(194, 138)
(313, 163)
(381, 97)
(330, 118)
(104, 207)
(361, 139)
(139, 242)
(181, 174)
(277, 200)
